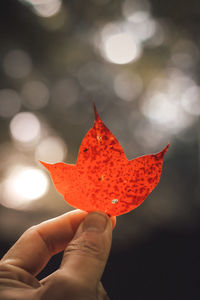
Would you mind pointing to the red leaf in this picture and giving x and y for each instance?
(103, 179)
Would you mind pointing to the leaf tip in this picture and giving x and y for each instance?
(46, 165)
(162, 153)
(95, 112)
(166, 149)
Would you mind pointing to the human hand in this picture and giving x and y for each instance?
(86, 241)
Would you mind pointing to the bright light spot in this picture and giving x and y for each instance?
(128, 86)
(65, 93)
(114, 201)
(139, 16)
(10, 103)
(163, 110)
(140, 22)
(121, 48)
(47, 8)
(25, 127)
(142, 28)
(160, 109)
(57, 153)
(162, 103)
(30, 184)
(35, 94)
(23, 185)
(147, 29)
(191, 100)
(119, 43)
(17, 64)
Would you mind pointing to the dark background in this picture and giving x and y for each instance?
(146, 101)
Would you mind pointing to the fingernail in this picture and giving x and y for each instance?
(95, 221)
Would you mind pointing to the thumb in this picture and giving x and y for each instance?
(86, 255)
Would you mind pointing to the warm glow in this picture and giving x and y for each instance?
(30, 184)
(121, 48)
(23, 185)
(25, 127)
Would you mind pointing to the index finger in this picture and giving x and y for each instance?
(36, 246)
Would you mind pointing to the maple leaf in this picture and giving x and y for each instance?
(103, 179)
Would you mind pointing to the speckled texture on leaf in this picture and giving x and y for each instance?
(103, 179)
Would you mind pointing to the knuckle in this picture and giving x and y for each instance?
(31, 229)
(36, 231)
(5, 271)
(86, 246)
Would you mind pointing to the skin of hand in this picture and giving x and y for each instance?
(86, 241)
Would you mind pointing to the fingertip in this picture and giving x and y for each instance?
(90, 247)
(112, 219)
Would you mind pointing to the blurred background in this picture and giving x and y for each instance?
(139, 61)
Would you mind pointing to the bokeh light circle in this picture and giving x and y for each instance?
(56, 154)
(191, 100)
(121, 48)
(25, 127)
(47, 8)
(17, 63)
(23, 185)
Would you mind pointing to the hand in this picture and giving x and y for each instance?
(86, 239)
